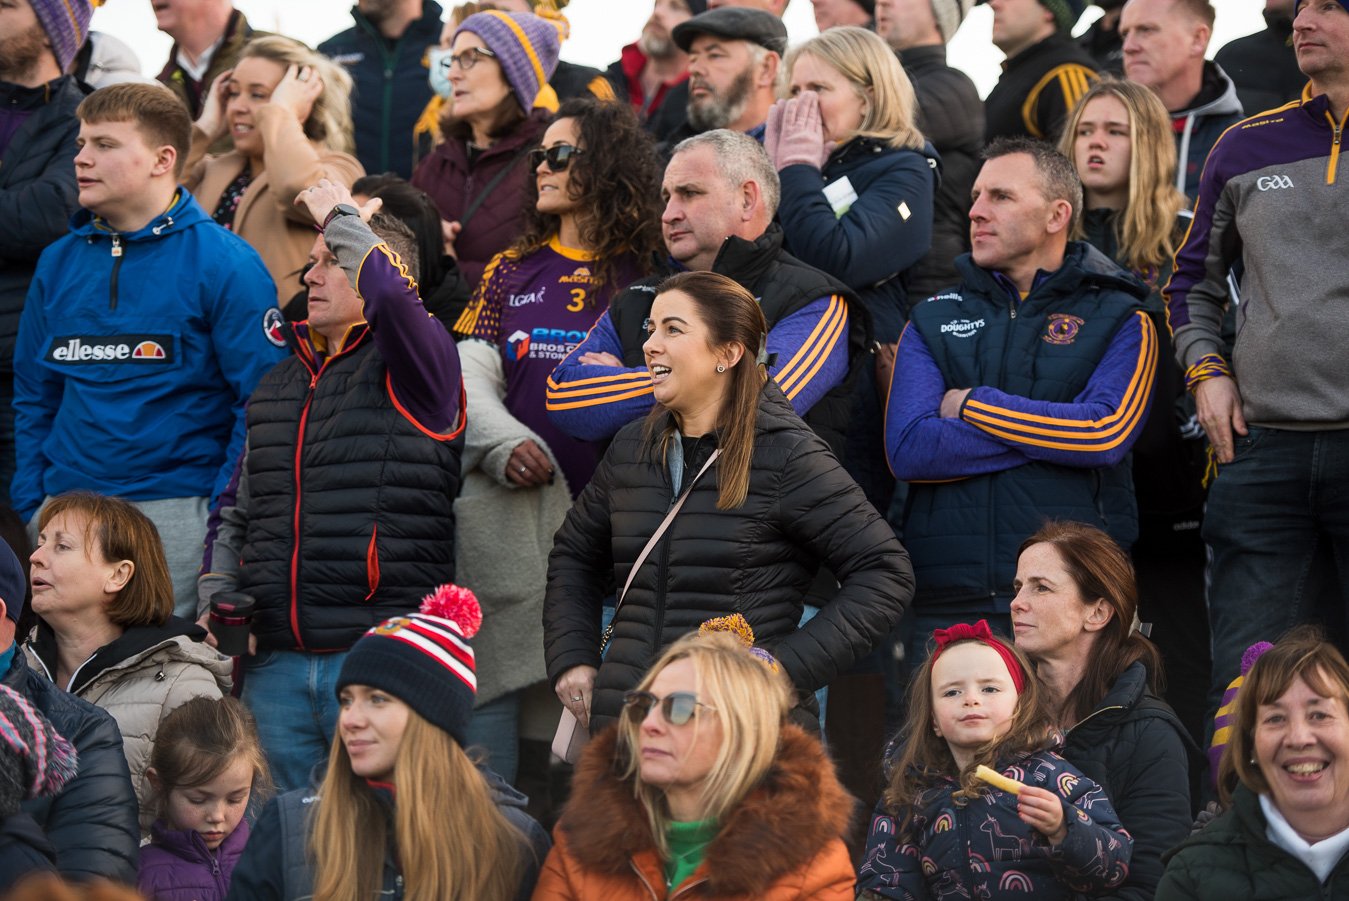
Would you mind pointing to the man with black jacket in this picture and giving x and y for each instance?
(37, 165)
(385, 52)
(92, 822)
(1263, 65)
(1045, 72)
(950, 115)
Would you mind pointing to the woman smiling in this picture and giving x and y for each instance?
(1285, 772)
(722, 501)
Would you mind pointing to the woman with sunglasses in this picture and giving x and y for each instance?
(593, 227)
(722, 501)
(703, 789)
(497, 66)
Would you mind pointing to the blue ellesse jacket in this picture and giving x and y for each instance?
(136, 354)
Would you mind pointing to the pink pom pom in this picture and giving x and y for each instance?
(457, 604)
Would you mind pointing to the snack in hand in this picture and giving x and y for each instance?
(997, 780)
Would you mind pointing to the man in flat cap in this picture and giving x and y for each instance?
(734, 54)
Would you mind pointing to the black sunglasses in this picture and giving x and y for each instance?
(677, 707)
(558, 156)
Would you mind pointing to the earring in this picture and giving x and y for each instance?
(721, 367)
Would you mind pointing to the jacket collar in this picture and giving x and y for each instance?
(794, 811)
(132, 643)
(184, 212)
(748, 261)
(188, 844)
(1084, 267)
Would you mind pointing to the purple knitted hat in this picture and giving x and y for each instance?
(67, 25)
(35, 761)
(525, 45)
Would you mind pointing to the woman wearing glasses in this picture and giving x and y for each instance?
(593, 226)
(703, 788)
(497, 66)
(722, 501)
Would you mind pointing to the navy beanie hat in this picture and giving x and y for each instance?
(424, 659)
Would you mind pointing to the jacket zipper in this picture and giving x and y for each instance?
(992, 551)
(645, 882)
(963, 827)
(295, 523)
(1337, 132)
(116, 265)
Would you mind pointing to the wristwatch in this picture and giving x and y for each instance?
(342, 209)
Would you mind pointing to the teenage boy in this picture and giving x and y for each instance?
(144, 331)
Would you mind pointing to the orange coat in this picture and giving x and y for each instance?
(782, 843)
(267, 217)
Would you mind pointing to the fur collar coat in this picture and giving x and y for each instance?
(782, 842)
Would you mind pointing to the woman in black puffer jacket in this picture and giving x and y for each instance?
(1073, 615)
(772, 506)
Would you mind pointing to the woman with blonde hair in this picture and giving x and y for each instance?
(1119, 137)
(858, 181)
(288, 111)
(402, 810)
(703, 787)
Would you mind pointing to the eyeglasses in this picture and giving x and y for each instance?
(466, 60)
(677, 707)
(558, 156)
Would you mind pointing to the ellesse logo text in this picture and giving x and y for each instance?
(92, 349)
(1273, 182)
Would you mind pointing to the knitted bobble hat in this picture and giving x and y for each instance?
(35, 761)
(949, 14)
(525, 45)
(424, 659)
(67, 25)
(1066, 12)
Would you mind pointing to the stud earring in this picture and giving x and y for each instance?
(721, 367)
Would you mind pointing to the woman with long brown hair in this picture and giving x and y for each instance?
(737, 502)
(592, 226)
(1074, 616)
(402, 810)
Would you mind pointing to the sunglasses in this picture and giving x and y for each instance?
(678, 707)
(558, 156)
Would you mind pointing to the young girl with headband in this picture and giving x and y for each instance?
(1045, 830)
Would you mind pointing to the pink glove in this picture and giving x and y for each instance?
(801, 133)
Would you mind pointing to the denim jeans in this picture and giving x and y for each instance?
(495, 729)
(1277, 523)
(293, 696)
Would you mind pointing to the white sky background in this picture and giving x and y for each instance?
(599, 28)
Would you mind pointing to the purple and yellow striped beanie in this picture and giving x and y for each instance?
(525, 45)
(67, 25)
(1222, 722)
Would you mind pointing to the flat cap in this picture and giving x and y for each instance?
(735, 23)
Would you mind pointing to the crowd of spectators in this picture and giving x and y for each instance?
(782, 428)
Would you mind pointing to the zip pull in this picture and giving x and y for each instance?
(116, 245)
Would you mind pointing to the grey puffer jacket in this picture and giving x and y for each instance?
(140, 678)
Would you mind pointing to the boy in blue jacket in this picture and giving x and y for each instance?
(144, 331)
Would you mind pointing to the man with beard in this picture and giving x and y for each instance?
(38, 40)
(734, 54)
(385, 52)
(650, 67)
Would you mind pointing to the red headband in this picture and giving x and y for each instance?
(980, 632)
